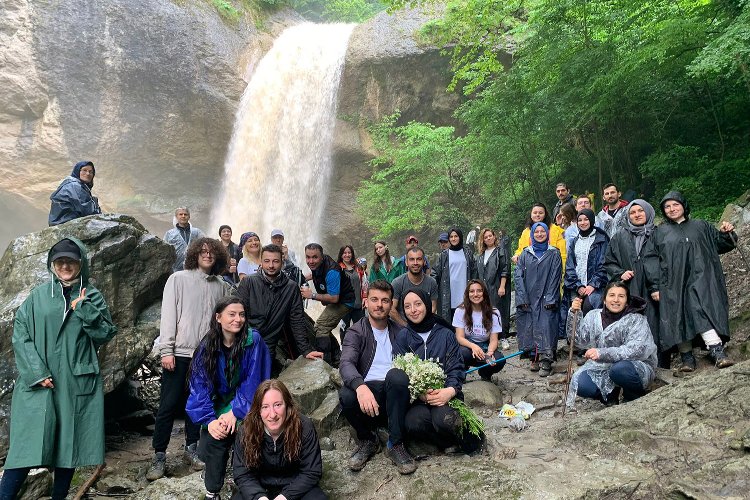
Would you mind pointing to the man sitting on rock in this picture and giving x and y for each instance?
(373, 392)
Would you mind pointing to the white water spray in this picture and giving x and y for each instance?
(278, 166)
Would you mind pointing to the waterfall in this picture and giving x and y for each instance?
(278, 166)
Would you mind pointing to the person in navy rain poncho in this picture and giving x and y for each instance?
(73, 199)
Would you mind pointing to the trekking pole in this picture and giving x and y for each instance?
(494, 362)
(569, 373)
(737, 246)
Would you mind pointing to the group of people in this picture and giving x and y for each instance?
(625, 292)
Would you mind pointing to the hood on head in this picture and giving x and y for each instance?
(676, 196)
(84, 260)
(77, 170)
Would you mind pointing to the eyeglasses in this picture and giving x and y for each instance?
(206, 252)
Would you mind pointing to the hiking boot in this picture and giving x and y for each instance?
(545, 368)
(364, 452)
(688, 362)
(401, 459)
(534, 367)
(158, 466)
(190, 457)
(716, 353)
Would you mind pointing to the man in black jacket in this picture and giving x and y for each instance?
(273, 306)
(372, 391)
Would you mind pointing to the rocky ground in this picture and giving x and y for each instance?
(687, 439)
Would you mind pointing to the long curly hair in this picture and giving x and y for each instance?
(207, 354)
(485, 305)
(254, 430)
(219, 251)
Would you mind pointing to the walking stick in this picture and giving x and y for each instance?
(737, 246)
(494, 362)
(569, 373)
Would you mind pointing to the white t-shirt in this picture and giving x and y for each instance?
(487, 254)
(477, 333)
(383, 359)
(244, 266)
(457, 269)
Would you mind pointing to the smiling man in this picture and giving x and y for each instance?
(186, 311)
(273, 302)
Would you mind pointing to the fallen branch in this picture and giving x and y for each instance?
(89, 482)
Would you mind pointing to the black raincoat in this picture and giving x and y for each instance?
(689, 277)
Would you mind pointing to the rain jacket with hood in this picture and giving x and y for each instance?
(174, 238)
(73, 199)
(627, 339)
(682, 264)
(63, 426)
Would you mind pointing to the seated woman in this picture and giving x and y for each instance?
(429, 336)
(477, 333)
(619, 347)
(277, 455)
(227, 367)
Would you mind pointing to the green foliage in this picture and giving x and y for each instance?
(420, 179)
(226, 10)
(650, 95)
(343, 11)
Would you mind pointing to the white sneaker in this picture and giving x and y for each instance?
(505, 345)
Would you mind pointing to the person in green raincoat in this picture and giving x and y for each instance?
(57, 411)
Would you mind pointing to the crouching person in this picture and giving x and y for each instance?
(373, 392)
(620, 350)
(227, 368)
(428, 336)
(277, 454)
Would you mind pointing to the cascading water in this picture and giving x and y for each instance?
(278, 165)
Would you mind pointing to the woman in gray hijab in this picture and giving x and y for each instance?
(624, 262)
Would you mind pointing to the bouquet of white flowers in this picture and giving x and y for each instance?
(428, 374)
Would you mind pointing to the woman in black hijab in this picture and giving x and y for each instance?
(585, 274)
(428, 336)
(455, 268)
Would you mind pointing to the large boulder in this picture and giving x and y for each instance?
(128, 265)
(310, 382)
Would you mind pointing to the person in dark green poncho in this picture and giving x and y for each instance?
(57, 411)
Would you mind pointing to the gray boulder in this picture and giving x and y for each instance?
(736, 272)
(128, 265)
(310, 382)
(482, 394)
(327, 417)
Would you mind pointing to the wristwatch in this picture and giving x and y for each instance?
(314, 296)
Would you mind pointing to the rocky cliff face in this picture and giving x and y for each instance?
(387, 69)
(146, 89)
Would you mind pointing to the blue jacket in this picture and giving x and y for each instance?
(72, 198)
(596, 272)
(442, 347)
(209, 399)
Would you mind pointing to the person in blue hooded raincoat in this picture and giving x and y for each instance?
(229, 364)
(537, 277)
(73, 199)
(57, 411)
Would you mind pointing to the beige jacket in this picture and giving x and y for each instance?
(186, 309)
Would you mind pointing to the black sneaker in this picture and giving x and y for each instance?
(401, 459)
(688, 362)
(716, 353)
(545, 368)
(158, 467)
(364, 452)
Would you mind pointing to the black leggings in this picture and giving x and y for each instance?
(13, 480)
